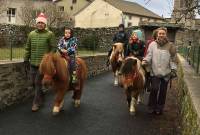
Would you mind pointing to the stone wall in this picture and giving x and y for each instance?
(14, 87)
(188, 84)
(184, 36)
(17, 35)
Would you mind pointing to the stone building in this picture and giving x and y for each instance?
(110, 13)
(14, 8)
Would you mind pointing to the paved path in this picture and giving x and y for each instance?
(103, 111)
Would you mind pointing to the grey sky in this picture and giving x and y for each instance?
(160, 7)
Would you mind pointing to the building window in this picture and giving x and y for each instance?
(129, 24)
(74, 1)
(11, 13)
(71, 7)
(61, 8)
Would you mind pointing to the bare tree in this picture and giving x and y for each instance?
(55, 16)
(188, 10)
(28, 13)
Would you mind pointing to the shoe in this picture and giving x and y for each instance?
(35, 108)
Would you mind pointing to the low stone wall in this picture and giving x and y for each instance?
(189, 98)
(15, 85)
(17, 35)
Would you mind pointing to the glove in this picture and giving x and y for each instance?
(173, 74)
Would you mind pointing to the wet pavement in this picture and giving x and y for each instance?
(103, 111)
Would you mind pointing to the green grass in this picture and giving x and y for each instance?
(18, 53)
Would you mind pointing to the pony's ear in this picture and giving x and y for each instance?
(114, 47)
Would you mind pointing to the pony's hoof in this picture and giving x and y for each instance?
(56, 110)
(77, 103)
(132, 113)
(55, 113)
(115, 83)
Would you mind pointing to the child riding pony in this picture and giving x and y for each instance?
(56, 74)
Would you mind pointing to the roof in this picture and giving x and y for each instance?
(89, 2)
(159, 24)
(132, 8)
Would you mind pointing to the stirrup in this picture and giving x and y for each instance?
(74, 78)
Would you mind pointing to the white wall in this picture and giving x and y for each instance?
(98, 14)
(134, 20)
(18, 5)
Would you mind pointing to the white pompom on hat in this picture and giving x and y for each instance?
(41, 18)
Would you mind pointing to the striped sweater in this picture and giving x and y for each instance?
(39, 43)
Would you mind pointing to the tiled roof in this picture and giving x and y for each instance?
(132, 8)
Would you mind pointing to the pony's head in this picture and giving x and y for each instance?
(117, 53)
(48, 69)
(130, 71)
(49, 66)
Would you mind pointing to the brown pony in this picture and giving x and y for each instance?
(116, 59)
(133, 80)
(56, 74)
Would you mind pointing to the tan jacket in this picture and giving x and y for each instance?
(162, 59)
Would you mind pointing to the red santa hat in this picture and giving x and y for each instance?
(41, 18)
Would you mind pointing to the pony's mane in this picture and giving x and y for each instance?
(129, 66)
(61, 66)
(47, 65)
(53, 62)
(117, 48)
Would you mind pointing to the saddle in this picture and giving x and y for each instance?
(67, 60)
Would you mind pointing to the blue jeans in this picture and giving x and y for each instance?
(72, 63)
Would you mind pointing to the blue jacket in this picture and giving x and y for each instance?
(70, 45)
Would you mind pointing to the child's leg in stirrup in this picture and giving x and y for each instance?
(73, 69)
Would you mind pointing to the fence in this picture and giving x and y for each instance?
(192, 55)
(13, 49)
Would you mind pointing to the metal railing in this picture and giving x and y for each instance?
(13, 50)
(192, 55)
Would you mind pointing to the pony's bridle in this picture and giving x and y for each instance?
(132, 76)
(119, 55)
